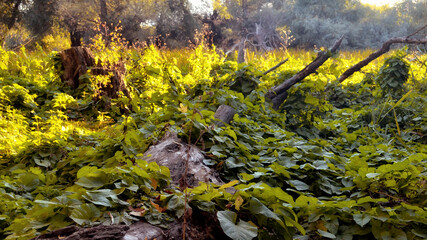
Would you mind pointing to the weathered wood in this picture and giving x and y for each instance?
(225, 114)
(182, 160)
(75, 61)
(116, 84)
(384, 49)
(101, 232)
(143, 230)
(277, 91)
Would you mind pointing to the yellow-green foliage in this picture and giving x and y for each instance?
(336, 160)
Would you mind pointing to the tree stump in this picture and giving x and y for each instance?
(76, 62)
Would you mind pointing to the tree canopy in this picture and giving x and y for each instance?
(265, 24)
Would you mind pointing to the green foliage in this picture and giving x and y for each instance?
(393, 75)
(337, 161)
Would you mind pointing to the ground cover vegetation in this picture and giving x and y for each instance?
(345, 161)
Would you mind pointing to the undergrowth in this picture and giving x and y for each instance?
(345, 161)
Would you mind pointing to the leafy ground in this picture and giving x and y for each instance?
(337, 161)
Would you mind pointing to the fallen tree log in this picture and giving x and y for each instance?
(278, 94)
(384, 49)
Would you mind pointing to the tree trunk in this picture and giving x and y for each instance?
(104, 14)
(75, 61)
(75, 37)
(241, 54)
(15, 13)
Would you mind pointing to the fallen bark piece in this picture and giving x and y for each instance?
(224, 113)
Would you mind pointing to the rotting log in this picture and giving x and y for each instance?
(277, 94)
(384, 49)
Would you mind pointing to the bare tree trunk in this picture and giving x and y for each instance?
(278, 93)
(75, 37)
(76, 61)
(103, 15)
(15, 13)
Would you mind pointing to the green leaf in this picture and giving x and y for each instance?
(361, 219)
(240, 231)
(326, 234)
(300, 186)
(257, 207)
(92, 182)
(86, 170)
(85, 214)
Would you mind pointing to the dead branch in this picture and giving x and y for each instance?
(416, 32)
(278, 93)
(384, 49)
(275, 67)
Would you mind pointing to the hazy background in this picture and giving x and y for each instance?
(263, 24)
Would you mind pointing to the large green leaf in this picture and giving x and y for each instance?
(361, 219)
(85, 214)
(236, 231)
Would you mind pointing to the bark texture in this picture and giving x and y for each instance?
(75, 61)
(183, 160)
(101, 232)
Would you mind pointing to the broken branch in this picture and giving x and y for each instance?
(277, 93)
(385, 48)
(275, 67)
